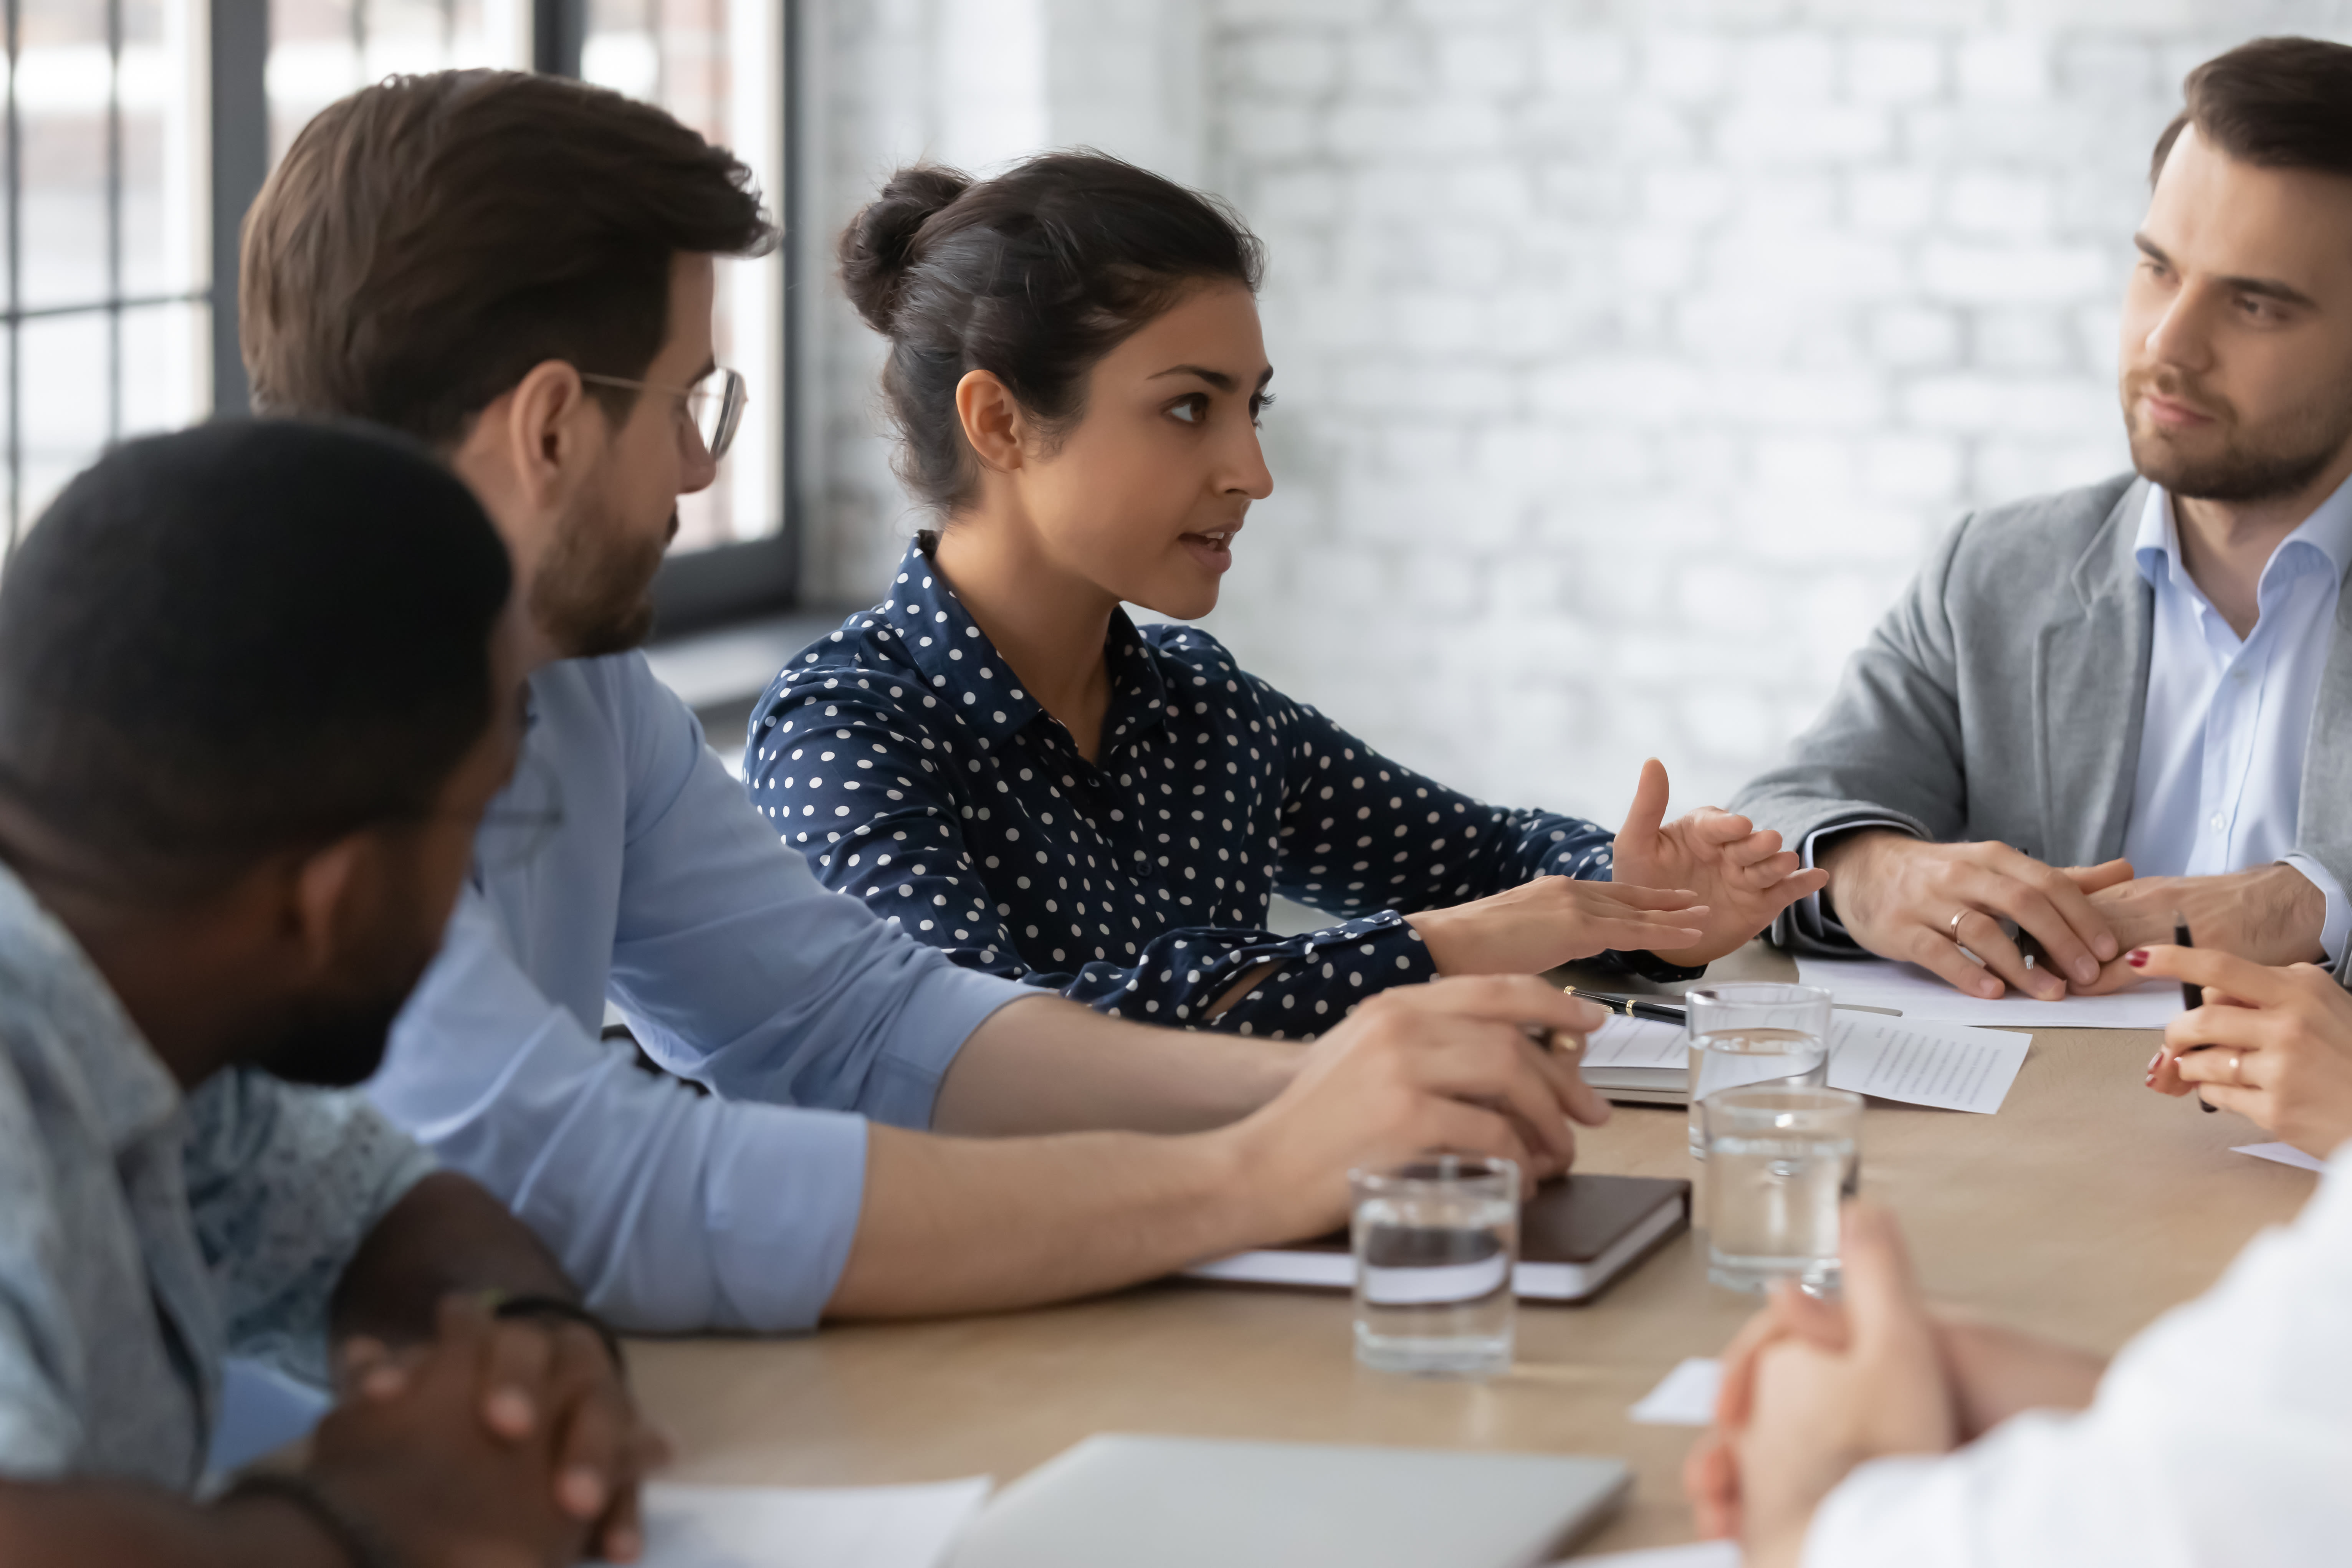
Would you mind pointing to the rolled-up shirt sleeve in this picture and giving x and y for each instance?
(672, 1210)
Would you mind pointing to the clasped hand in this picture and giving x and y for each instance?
(1905, 898)
(1814, 1389)
(499, 1442)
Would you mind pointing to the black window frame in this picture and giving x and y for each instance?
(696, 590)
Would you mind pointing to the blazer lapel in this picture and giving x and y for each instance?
(2091, 694)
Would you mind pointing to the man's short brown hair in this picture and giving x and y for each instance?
(2277, 103)
(429, 239)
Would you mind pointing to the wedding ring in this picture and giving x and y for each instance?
(2237, 1079)
(1955, 927)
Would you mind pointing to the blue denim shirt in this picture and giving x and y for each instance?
(144, 1236)
(902, 756)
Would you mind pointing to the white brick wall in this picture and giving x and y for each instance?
(1630, 354)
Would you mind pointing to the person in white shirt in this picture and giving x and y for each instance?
(1877, 1432)
(2097, 709)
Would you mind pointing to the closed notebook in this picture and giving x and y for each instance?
(1193, 1503)
(1576, 1234)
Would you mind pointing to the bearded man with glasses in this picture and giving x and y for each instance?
(517, 270)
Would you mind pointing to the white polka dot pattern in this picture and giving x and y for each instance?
(901, 756)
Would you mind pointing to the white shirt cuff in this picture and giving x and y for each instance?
(2338, 924)
(1816, 916)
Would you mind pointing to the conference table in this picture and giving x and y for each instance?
(2082, 1210)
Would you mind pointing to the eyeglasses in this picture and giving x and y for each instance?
(716, 410)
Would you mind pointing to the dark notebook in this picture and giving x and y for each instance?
(1576, 1234)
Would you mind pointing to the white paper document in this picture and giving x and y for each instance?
(2284, 1154)
(1950, 1067)
(1696, 1554)
(806, 1527)
(1623, 1042)
(1922, 996)
(1685, 1396)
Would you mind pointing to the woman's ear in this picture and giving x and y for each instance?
(993, 425)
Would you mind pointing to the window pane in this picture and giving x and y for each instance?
(718, 65)
(321, 49)
(64, 78)
(65, 413)
(163, 176)
(166, 370)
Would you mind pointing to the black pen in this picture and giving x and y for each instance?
(1629, 1006)
(2191, 996)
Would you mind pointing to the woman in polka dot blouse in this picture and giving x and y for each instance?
(998, 759)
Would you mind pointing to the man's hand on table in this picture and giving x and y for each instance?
(2279, 1044)
(2271, 914)
(500, 1441)
(1897, 895)
(1448, 1066)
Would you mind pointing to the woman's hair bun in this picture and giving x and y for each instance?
(878, 249)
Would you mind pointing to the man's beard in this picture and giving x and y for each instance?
(2282, 464)
(334, 1046)
(594, 593)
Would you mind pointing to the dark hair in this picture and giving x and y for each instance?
(427, 240)
(241, 638)
(1034, 275)
(2278, 103)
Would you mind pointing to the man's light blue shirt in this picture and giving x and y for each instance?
(2220, 779)
(660, 889)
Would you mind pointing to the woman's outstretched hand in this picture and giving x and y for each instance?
(1738, 875)
(1553, 920)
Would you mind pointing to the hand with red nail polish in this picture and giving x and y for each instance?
(2274, 1045)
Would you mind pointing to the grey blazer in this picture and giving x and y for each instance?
(2002, 699)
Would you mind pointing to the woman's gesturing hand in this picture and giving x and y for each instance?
(1741, 875)
(2277, 1044)
(1553, 920)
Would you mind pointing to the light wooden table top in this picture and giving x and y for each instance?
(2082, 1210)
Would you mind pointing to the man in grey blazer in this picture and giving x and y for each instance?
(2095, 709)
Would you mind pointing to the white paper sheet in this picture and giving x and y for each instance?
(1623, 1042)
(2284, 1154)
(1696, 1554)
(1922, 996)
(1949, 1066)
(1685, 1396)
(806, 1527)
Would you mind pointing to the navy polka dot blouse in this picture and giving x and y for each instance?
(902, 758)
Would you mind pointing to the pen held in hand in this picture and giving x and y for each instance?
(2191, 996)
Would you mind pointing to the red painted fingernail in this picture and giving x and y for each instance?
(2136, 958)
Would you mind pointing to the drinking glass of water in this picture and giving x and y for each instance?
(1779, 1160)
(1435, 1242)
(1753, 1033)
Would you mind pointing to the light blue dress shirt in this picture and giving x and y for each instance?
(2221, 740)
(662, 889)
